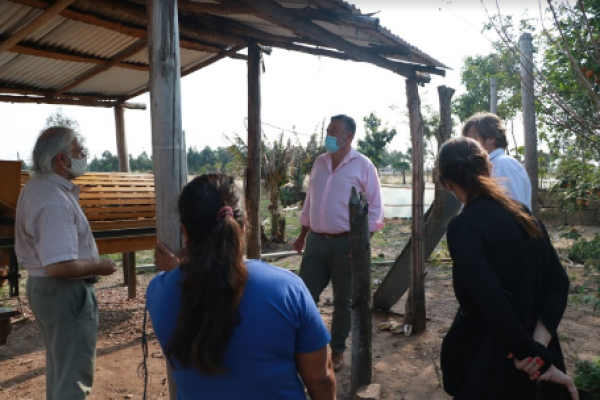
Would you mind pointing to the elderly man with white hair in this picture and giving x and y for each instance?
(54, 242)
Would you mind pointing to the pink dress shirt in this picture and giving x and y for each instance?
(326, 205)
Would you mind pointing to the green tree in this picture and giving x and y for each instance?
(59, 118)
(276, 166)
(376, 139)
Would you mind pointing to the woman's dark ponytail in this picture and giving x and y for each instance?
(213, 270)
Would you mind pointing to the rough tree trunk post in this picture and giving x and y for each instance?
(415, 313)
(129, 277)
(529, 128)
(362, 322)
(253, 162)
(168, 146)
(494, 95)
(444, 207)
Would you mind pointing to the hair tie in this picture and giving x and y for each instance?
(225, 210)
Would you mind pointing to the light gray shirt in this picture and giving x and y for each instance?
(511, 175)
(50, 225)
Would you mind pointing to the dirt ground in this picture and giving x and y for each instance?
(406, 367)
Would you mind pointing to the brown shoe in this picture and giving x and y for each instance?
(338, 361)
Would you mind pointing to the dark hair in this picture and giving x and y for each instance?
(488, 125)
(347, 121)
(464, 162)
(213, 270)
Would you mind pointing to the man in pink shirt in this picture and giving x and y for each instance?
(326, 225)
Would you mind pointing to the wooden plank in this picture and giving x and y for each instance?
(100, 196)
(362, 303)
(10, 187)
(253, 183)
(124, 209)
(415, 304)
(119, 216)
(116, 202)
(127, 244)
(39, 22)
(116, 225)
(115, 189)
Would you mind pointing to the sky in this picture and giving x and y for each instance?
(299, 91)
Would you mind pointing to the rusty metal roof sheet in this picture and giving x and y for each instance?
(89, 33)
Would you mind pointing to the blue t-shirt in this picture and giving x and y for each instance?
(279, 319)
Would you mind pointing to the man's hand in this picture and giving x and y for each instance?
(164, 260)
(299, 244)
(106, 267)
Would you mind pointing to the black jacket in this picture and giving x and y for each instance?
(497, 313)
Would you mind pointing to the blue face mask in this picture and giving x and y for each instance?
(331, 144)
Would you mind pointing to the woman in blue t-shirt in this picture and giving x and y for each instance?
(235, 329)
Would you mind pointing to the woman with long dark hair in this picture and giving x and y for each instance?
(235, 329)
(510, 285)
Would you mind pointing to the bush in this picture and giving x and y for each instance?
(587, 376)
(583, 250)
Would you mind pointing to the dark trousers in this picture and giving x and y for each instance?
(324, 260)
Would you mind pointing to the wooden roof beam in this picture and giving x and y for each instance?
(227, 53)
(128, 52)
(309, 50)
(39, 22)
(64, 55)
(219, 9)
(138, 12)
(308, 28)
(64, 101)
(132, 31)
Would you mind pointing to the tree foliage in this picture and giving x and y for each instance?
(376, 139)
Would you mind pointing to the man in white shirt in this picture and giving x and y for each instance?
(54, 243)
(490, 132)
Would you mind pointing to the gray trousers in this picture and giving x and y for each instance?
(324, 260)
(66, 312)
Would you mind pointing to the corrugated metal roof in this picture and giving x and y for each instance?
(63, 35)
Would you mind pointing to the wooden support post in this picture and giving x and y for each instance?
(168, 150)
(529, 128)
(362, 303)
(415, 313)
(254, 150)
(128, 259)
(444, 207)
(494, 95)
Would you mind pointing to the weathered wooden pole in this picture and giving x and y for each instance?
(444, 207)
(128, 258)
(529, 128)
(168, 150)
(415, 313)
(254, 150)
(362, 303)
(494, 95)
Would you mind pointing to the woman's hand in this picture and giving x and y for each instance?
(530, 366)
(557, 376)
(164, 260)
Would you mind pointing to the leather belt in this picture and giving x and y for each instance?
(332, 235)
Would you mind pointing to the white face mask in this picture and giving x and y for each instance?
(78, 166)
